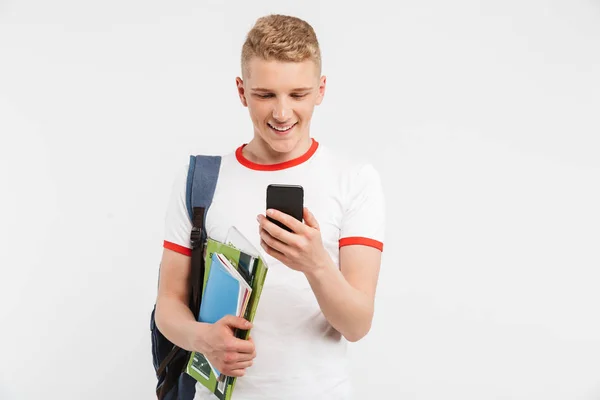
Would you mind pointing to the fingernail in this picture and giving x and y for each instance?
(270, 212)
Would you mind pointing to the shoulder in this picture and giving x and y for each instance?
(204, 159)
(182, 168)
(351, 169)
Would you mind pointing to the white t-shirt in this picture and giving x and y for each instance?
(299, 354)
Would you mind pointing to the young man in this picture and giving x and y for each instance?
(320, 288)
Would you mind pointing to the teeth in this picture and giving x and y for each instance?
(281, 129)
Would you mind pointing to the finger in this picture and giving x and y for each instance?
(274, 230)
(242, 358)
(235, 345)
(242, 365)
(232, 358)
(248, 356)
(272, 252)
(272, 242)
(235, 372)
(289, 221)
(236, 322)
(310, 219)
(253, 355)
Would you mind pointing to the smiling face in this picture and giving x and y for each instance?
(281, 97)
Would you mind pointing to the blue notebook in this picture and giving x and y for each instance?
(223, 295)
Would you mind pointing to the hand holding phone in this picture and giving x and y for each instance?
(288, 199)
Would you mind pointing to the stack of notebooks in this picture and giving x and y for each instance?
(233, 281)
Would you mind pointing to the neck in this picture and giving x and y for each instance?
(258, 151)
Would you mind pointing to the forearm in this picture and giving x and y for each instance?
(347, 309)
(177, 323)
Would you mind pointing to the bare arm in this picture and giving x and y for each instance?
(347, 295)
(173, 316)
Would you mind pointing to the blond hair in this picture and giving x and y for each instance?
(281, 38)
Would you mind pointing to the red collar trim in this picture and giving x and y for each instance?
(276, 167)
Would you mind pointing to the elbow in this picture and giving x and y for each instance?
(357, 334)
(353, 338)
(160, 315)
(361, 326)
(158, 321)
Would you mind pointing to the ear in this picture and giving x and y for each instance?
(322, 84)
(241, 92)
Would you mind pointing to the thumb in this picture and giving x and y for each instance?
(310, 219)
(236, 322)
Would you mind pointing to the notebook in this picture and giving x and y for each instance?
(222, 261)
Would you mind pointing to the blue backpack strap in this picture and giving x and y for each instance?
(201, 183)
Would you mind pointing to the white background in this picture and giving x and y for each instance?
(482, 117)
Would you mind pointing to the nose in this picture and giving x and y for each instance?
(282, 112)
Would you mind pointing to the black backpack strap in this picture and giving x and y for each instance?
(200, 194)
(202, 179)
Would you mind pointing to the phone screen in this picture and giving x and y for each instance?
(288, 199)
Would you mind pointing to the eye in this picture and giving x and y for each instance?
(263, 96)
(299, 96)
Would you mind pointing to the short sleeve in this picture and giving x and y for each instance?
(364, 214)
(177, 221)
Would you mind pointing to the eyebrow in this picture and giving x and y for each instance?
(303, 89)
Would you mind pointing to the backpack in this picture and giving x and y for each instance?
(169, 359)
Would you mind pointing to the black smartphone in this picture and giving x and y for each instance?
(288, 199)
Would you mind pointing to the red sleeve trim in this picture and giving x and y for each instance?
(349, 241)
(177, 248)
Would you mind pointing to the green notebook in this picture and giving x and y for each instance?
(253, 269)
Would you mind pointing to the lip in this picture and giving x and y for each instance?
(280, 132)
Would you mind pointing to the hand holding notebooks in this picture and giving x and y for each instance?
(226, 293)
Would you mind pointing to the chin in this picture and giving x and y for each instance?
(283, 145)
